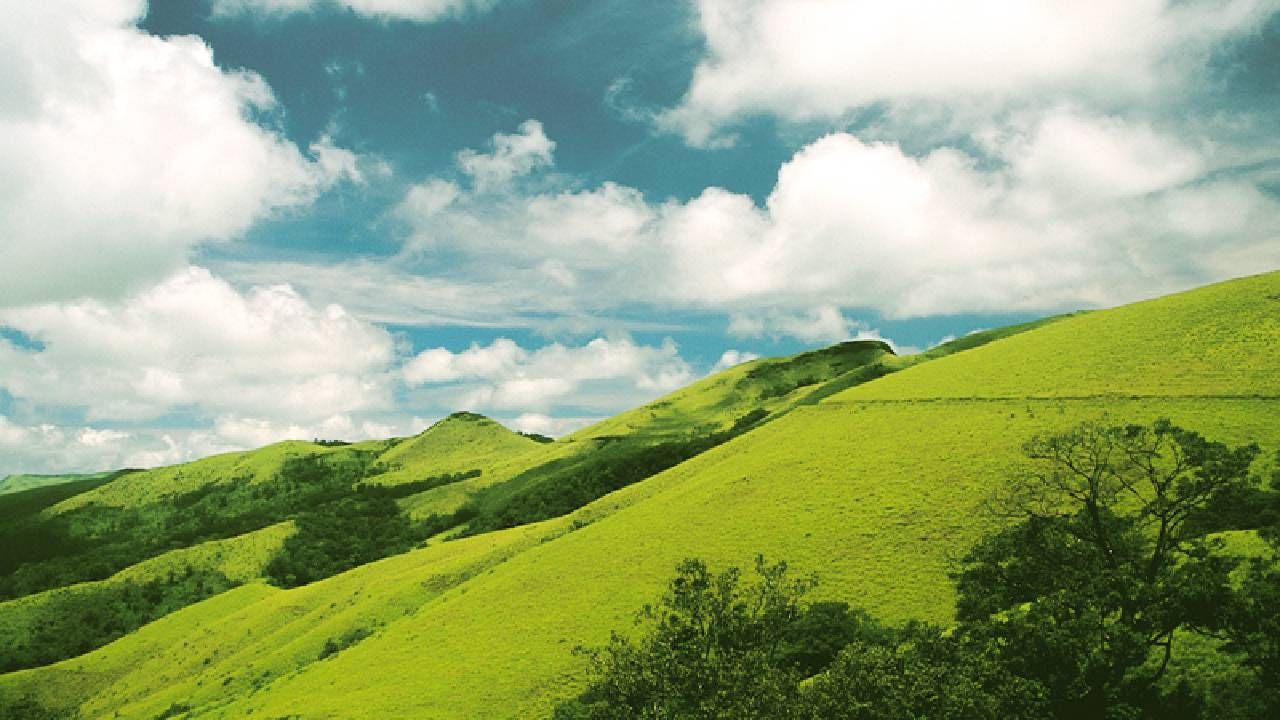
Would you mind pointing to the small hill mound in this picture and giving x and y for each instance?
(759, 388)
(460, 443)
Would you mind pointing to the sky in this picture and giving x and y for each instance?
(224, 223)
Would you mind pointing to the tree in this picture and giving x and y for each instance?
(716, 648)
(712, 650)
(1254, 624)
(922, 672)
(1100, 568)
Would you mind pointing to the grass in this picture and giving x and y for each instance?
(21, 483)
(877, 487)
(715, 403)
(241, 642)
(457, 444)
(74, 619)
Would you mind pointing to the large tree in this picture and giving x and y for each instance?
(1099, 570)
(713, 649)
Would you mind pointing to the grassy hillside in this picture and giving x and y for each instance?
(68, 621)
(458, 444)
(251, 467)
(19, 483)
(767, 386)
(553, 479)
(877, 487)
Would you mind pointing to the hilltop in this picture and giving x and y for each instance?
(866, 467)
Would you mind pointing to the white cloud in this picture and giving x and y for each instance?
(821, 59)
(49, 448)
(122, 150)
(731, 358)
(824, 324)
(1060, 209)
(550, 426)
(605, 374)
(194, 341)
(411, 10)
(510, 157)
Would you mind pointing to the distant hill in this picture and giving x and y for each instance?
(19, 483)
(863, 466)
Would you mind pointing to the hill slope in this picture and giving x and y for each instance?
(876, 486)
(20, 483)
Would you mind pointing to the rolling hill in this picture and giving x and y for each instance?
(867, 468)
(19, 483)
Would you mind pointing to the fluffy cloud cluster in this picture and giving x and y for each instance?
(821, 59)
(510, 157)
(1060, 209)
(122, 150)
(411, 10)
(603, 375)
(193, 341)
(822, 324)
(194, 366)
(55, 449)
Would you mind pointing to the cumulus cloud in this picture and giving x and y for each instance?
(52, 448)
(122, 150)
(193, 341)
(1061, 209)
(56, 449)
(731, 358)
(821, 59)
(604, 374)
(510, 156)
(411, 10)
(823, 324)
(550, 426)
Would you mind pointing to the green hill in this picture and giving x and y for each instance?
(69, 621)
(460, 443)
(874, 481)
(20, 483)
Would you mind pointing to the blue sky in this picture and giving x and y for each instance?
(229, 222)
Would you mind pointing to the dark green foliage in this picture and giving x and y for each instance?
(339, 535)
(711, 651)
(814, 639)
(173, 711)
(748, 421)
(538, 437)
(93, 542)
(1253, 627)
(857, 376)
(330, 443)
(922, 672)
(714, 648)
(403, 490)
(1102, 567)
(1254, 633)
(74, 623)
(778, 378)
(29, 708)
(333, 646)
(562, 486)
(19, 505)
